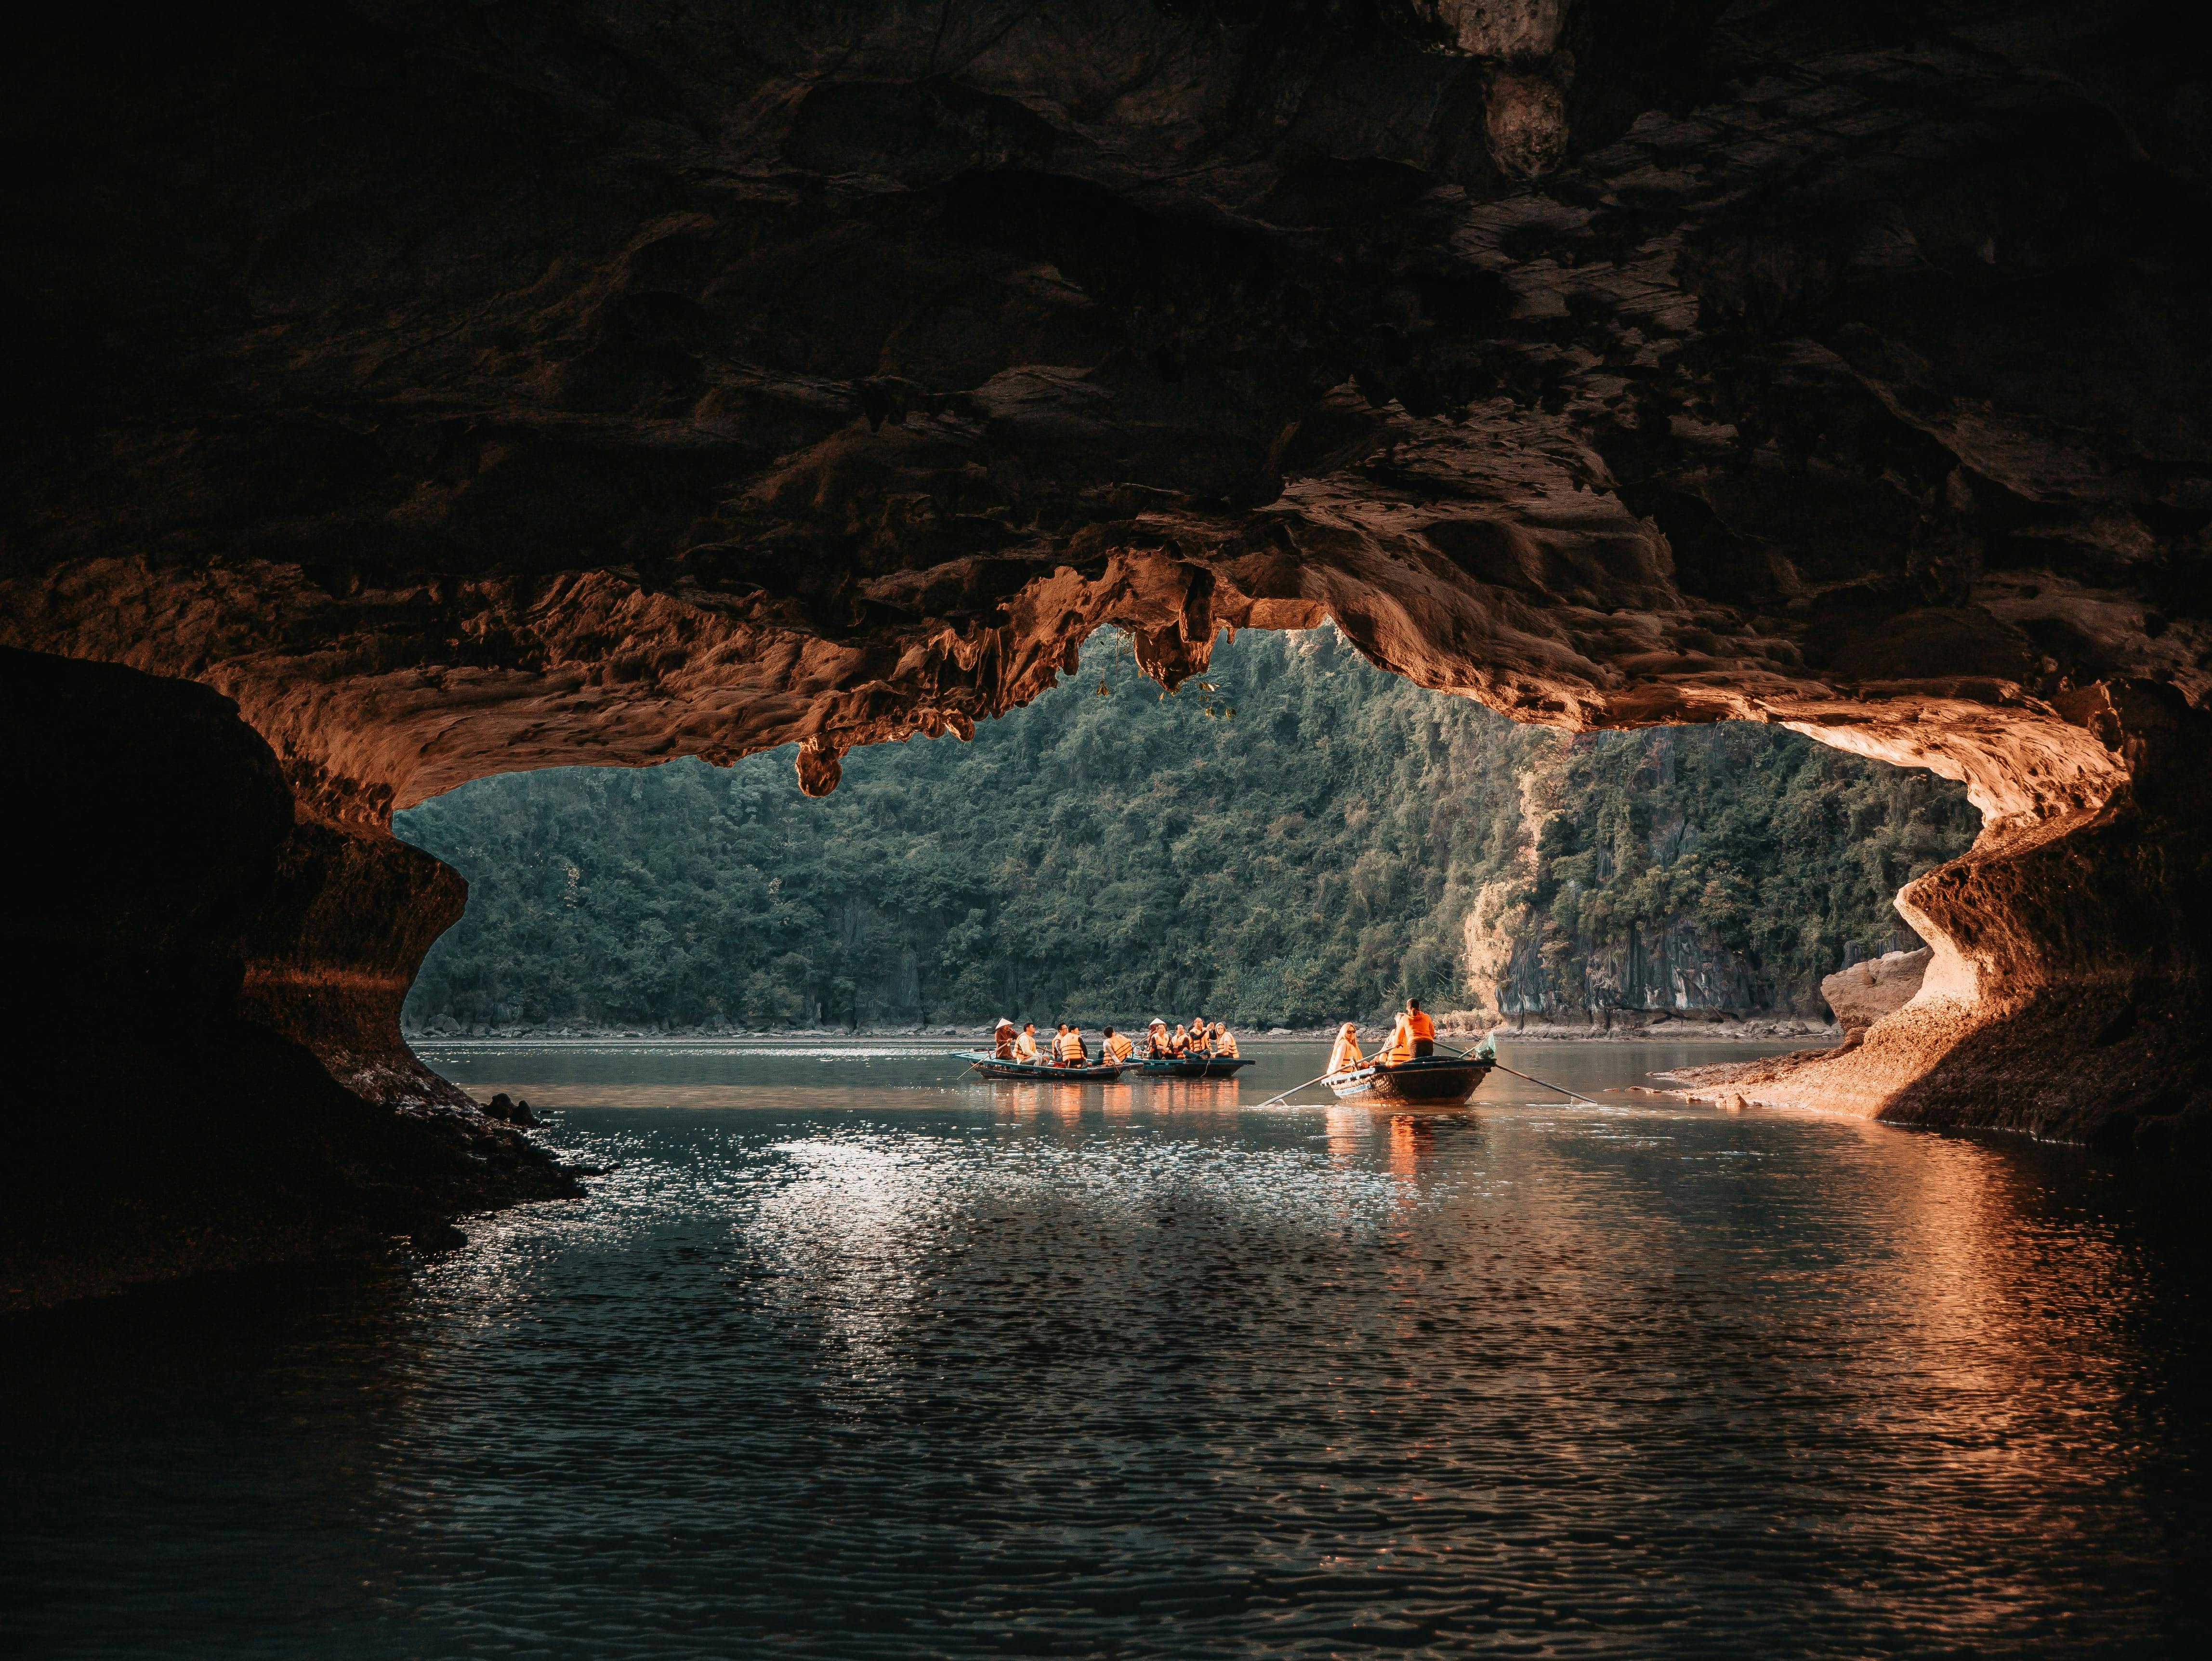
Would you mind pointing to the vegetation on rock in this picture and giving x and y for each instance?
(1297, 837)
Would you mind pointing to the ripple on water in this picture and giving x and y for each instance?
(1604, 1382)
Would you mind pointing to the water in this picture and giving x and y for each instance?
(850, 1358)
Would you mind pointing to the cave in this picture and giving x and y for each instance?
(401, 394)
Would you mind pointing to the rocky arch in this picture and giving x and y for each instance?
(458, 392)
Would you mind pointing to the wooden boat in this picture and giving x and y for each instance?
(1190, 1067)
(1424, 1081)
(1037, 1072)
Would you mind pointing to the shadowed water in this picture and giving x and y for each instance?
(851, 1358)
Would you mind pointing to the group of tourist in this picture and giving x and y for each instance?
(1201, 1038)
(1413, 1035)
(1066, 1048)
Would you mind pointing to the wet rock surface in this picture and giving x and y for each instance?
(507, 1111)
(466, 391)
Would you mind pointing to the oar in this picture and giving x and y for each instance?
(1293, 1090)
(1466, 1055)
(1547, 1083)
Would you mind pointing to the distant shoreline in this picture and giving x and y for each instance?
(1760, 1031)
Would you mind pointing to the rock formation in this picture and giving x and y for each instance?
(206, 986)
(1862, 994)
(460, 390)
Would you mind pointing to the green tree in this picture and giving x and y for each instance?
(1315, 855)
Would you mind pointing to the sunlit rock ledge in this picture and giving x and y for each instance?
(658, 381)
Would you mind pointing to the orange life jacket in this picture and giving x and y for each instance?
(1120, 1044)
(1419, 1026)
(1345, 1055)
(1402, 1043)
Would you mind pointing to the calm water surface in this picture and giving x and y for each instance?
(853, 1358)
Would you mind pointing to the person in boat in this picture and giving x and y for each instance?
(1413, 1035)
(1179, 1044)
(1026, 1047)
(1115, 1047)
(1201, 1038)
(1002, 1041)
(1345, 1055)
(1072, 1052)
(1156, 1040)
(1399, 1047)
(1419, 1028)
(1224, 1042)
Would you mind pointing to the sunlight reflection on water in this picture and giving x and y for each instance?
(905, 1366)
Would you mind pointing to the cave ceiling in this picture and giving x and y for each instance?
(468, 388)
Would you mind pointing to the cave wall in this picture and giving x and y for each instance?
(2065, 996)
(206, 983)
(461, 390)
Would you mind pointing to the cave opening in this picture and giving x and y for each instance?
(281, 953)
(1296, 838)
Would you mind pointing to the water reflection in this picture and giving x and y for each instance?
(1347, 1133)
(841, 1240)
(960, 1368)
(1411, 1137)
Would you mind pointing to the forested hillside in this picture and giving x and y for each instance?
(1299, 838)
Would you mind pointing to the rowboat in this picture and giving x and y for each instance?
(1037, 1072)
(1424, 1081)
(1191, 1067)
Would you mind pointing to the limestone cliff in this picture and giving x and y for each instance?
(1698, 873)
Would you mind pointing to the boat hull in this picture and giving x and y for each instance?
(1429, 1081)
(1185, 1066)
(1036, 1073)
